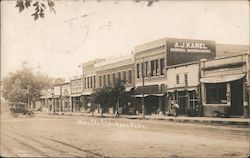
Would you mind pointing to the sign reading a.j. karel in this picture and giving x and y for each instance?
(190, 46)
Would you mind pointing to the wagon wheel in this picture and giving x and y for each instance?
(15, 115)
(32, 114)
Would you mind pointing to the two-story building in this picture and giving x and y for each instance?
(76, 88)
(46, 100)
(66, 101)
(89, 81)
(116, 70)
(183, 86)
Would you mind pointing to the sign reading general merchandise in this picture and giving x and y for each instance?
(190, 46)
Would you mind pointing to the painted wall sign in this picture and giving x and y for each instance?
(190, 46)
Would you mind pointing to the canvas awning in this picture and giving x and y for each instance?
(145, 95)
(46, 96)
(86, 93)
(75, 95)
(181, 89)
(140, 95)
(222, 79)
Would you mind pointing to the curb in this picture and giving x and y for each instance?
(178, 120)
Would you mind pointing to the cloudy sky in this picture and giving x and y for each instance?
(81, 31)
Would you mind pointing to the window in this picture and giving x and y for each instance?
(100, 81)
(142, 70)
(216, 93)
(152, 68)
(162, 66)
(108, 79)
(94, 82)
(124, 77)
(119, 76)
(88, 82)
(129, 76)
(156, 68)
(85, 84)
(138, 70)
(146, 71)
(91, 82)
(104, 80)
(193, 100)
(177, 79)
(113, 78)
(186, 79)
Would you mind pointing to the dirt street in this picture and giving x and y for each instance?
(74, 136)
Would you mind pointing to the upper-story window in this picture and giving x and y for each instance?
(94, 82)
(162, 66)
(108, 79)
(100, 81)
(138, 70)
(129, 76)
(119, 76)
(113, 78)
(104, 80)
(152, 71)
(146, 69)
(142, 70)
(85, 83)
(186, 79)
(91, 82)
(177, 79)
(88, 82)
(124, 77)
(156, 67)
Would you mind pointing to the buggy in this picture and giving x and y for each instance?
(20, 108)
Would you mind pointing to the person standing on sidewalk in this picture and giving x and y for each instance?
(176, 108)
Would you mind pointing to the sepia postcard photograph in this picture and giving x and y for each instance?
(125, 78)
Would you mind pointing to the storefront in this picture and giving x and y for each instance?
(154, 99)
(187, 99)
(183, 88)
(76, 102)
(224, 86)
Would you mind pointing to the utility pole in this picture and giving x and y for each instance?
(143, 105)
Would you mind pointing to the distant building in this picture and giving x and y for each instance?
(231, 49)
(66, 105)
(89, 80)
(76, 88)
(116, 70)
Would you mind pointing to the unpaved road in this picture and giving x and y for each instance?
(79, 136)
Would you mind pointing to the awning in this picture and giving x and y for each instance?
(86, 93)
(181, 89)
(145, 95)
(140, 95)
(46, 96)
(75, 95)
(222, 79)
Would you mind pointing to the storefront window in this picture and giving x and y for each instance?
(216, 93)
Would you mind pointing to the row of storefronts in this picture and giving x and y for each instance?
(162, 71)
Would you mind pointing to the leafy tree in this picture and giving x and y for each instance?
(24, 85)
(111, 96)
(40, 6)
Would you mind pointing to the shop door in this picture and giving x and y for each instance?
(237, 98)
(182, 101)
